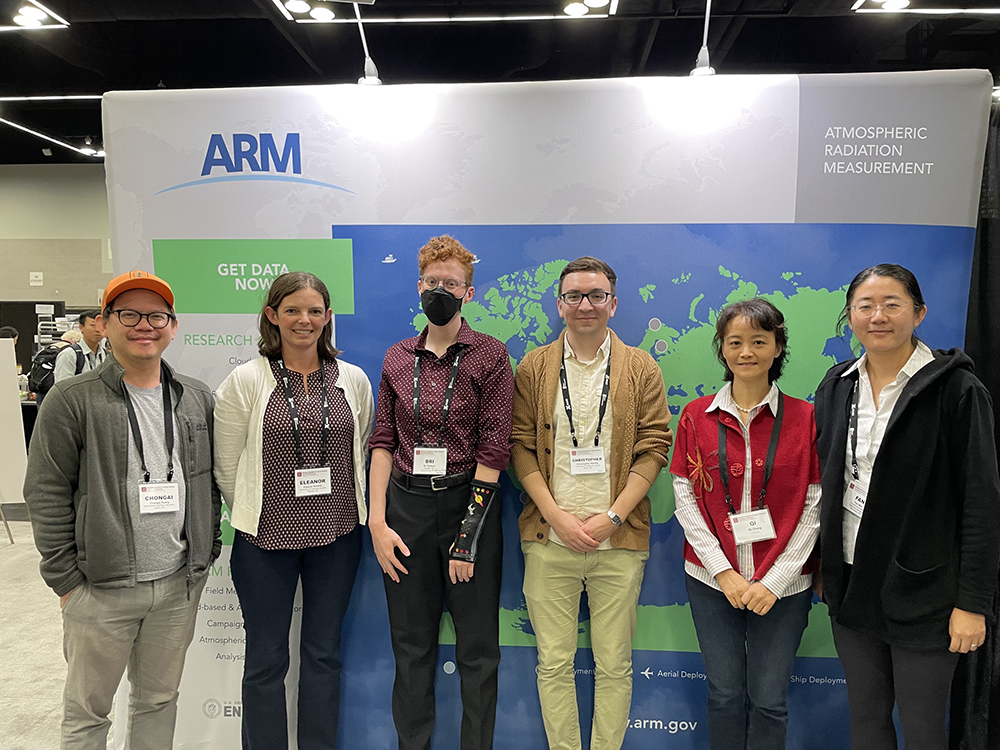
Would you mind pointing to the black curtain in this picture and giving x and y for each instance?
(975, 696)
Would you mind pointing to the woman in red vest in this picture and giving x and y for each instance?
(747, 488)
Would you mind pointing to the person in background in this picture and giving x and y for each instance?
(591, 434)
(126, 516)
(291, 449)
(441, 439)
(85, 356)
(9, 332)
(910, 531)
(747, 492)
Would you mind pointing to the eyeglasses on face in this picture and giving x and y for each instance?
(596, 297)
(132, 318)
(891, 309)
(451, 284)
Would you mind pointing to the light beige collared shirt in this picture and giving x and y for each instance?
(587, 494)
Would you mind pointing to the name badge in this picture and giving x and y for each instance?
(855, 497)
(309, 482)
(586, 460)
(159, 497)
(755, 526)
(430, 461)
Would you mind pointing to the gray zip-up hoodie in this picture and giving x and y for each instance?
(75, 485)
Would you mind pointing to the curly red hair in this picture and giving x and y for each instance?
(445, 248)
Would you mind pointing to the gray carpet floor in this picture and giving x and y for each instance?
(30, 648)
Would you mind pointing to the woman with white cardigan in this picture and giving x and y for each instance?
(291, 436)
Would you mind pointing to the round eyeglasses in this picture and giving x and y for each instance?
(891, 309)
(132, 318)
(451, 284)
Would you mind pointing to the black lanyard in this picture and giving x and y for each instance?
(772, 449)
(294, 413)
(568, 404)
(168, 427)
(854, 430)
(446, 407)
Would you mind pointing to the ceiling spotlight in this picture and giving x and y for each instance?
(46, 152)
(27, 22)
(596, 3)
(895, 4)
(996, 93)
(575, 9)
(297, 6)
(32, 12)
(322, 14)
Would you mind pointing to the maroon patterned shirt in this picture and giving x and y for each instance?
(286, 521)
(482, 406)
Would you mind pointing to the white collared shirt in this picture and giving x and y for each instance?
(65, 364)
(872, 422)
(587, 494)
(785, 577)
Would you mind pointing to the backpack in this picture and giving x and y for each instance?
(41, 376)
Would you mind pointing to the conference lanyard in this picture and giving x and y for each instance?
(168, 429)
(294, 413)
(772, 449)
(854, 430)
(448, 391)
(568, 404)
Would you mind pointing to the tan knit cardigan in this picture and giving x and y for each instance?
(640, 435)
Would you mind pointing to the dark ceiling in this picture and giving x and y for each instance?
(141, 44)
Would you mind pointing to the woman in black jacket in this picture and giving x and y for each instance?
(910, 533)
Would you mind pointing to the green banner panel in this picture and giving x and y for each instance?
(234, 276)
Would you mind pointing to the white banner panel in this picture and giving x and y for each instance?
(698, 191)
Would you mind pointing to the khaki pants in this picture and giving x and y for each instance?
(554, 578)
(146, 628)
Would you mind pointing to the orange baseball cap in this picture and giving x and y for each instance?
(137, 280)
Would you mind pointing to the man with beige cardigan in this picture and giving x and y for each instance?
(590, 437)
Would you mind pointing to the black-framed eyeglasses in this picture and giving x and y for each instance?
(596, 297)
(451, 284)
(132, 318)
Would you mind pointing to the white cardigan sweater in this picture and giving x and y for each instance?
(239, 435)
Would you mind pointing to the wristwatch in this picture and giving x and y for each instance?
(615, 519)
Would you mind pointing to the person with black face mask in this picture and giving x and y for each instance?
(441, 439)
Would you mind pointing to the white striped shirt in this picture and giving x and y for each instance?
(784, 577)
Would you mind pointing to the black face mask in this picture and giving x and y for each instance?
(440, 305)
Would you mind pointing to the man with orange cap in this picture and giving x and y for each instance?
(125, 513)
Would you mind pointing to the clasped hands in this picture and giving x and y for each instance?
(745, 595)
(582, 536)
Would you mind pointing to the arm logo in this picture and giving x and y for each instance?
(248, 157)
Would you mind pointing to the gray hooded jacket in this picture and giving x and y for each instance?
(75, 485)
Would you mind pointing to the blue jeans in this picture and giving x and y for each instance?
(748, 661)
(265, 581)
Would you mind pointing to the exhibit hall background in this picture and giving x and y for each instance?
(975, 713)
(697, 191)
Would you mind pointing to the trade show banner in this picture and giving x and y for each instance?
(697, 191)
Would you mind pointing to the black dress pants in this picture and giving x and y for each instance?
(428, 521)
(879, 676)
